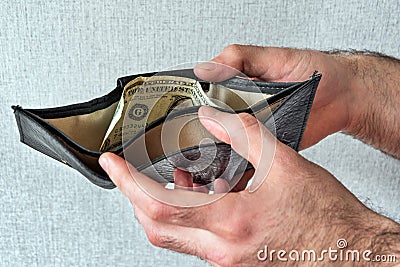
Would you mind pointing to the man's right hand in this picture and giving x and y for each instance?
(351, 96)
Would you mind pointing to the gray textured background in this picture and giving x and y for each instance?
(60, 52)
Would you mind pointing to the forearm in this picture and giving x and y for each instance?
(386, 248)
(375, 107)
(374, 118)
(385, 244)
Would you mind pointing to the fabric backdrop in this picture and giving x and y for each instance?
(61, 52)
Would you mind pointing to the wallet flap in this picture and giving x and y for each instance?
(290, 118)
(38, 136)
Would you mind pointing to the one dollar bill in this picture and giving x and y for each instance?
(146, 99)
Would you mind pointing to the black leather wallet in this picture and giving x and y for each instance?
(73, 134)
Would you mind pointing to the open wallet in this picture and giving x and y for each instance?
(158, 129)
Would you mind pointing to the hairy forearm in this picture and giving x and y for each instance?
(379, 246)
(375, 107)
(384, 242)
(386, 248)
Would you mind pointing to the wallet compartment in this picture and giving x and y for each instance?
(53, 132)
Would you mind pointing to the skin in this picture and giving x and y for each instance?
(299, 205)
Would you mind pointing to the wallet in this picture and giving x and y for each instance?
(73, 134)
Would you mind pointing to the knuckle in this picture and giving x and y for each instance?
(248, 121)
(154, 237)
(156, 211)
(233, 50)
(225, 259)
(236, 228)
(160, 212)
(158, 239)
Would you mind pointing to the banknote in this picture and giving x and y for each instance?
(146, 99)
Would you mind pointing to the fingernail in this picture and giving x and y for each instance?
(103, 161)
(207, 66)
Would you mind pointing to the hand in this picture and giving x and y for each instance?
(331, 109)
(298, 206)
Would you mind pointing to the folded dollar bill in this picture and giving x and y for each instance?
(151, 98)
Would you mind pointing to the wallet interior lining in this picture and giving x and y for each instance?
(88, 130)
(234, 99)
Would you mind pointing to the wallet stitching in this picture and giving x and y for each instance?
(122, 81)
(260, 85)
(188, 73)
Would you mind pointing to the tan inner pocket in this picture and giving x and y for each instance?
(87, 130)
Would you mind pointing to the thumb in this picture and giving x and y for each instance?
(118, 171)
(264, 63)
(235, 59)
(247, 136)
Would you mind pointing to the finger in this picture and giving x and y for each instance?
(200, 188)
(243, 132)
(265, 63)
(182, 180)
(248, 137)
(180, 239)
(118, 172)
(214, 71)
(244, 180)
(135, 185)
(147, 194)
(221, 186)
